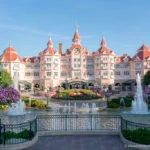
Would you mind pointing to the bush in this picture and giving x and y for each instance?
(34, 103)
(139, 135)
(4, 106)
(112, 104)
(38, 104)
(25, 134)
(26, 100)
(115, 103)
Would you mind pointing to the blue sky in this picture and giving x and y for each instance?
(125, 24)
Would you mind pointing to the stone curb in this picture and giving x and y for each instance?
(46, 133)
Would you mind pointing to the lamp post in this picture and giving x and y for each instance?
(106, 94)
(47, 95)
(66, 83)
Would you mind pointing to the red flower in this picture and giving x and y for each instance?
(99, 95)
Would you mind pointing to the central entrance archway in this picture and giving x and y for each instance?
(75, 84)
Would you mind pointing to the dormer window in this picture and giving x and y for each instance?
(125, 60)
(117, 59)
(148, 63)
(28, 60)
(36, 60)
(138, 65)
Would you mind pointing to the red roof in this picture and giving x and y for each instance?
(125, 56)
(83, 50)
(104, 47)
(143, 52)
(10, 54)
(32, 59)
(103, 42)
(49, 48)
(76, 36)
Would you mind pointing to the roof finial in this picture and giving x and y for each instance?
(9, 42)
(143, 43)
(77, 26)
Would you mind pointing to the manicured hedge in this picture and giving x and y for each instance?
(115, 103)
(140, 135)
(25, 134)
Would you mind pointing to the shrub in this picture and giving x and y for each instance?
(139, 135)
(115, 103)
(4, 106)
(25, 134)
(26, 100)
(34, 103)
(38, 104)
(112, 104)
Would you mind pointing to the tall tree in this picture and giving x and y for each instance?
(146, 80)
(5, 79)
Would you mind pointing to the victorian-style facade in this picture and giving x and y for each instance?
(76, 68)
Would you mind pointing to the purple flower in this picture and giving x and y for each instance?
(9, 95)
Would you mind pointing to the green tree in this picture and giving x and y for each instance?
(146, 80)
(5, 79)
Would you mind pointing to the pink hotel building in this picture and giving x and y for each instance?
(76, 67)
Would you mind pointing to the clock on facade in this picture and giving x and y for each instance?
(76, 51)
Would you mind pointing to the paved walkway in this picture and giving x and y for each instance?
(79, 142)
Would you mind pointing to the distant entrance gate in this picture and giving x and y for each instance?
(75, 84)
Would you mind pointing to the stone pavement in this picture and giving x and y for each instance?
(79, 142)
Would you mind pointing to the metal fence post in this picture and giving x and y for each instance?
(30, 131)
(0, 132)
(36, 125)
(126, 126)
(4, 135)
(66, 122)
(91, 122)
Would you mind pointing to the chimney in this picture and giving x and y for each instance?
(60, 48)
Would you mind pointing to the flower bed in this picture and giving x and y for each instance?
(7, 96)
(80, 94)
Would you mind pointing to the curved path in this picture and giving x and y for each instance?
(79, 142)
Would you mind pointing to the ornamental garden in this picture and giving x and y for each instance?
(137, 132)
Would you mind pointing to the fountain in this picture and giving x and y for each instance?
(139, 112)
(75, 108)
(19, 107)
(17, 113)
(93, 108)
(138, 105)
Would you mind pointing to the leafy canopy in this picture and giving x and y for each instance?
(147, 78)
(5, 79)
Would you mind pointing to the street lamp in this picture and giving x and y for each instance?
(106, 94)
(66, 83)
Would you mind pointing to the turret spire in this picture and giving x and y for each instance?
(76, 38)
(50, 43)
(103, 42)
